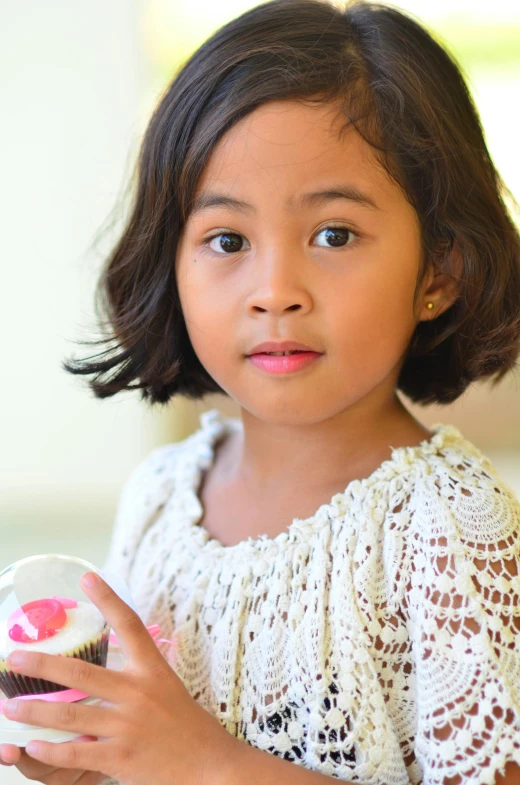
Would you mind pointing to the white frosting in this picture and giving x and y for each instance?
(83, 623)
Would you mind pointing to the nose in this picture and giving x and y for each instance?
(279, 285)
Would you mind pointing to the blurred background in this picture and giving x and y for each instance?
(79, 81)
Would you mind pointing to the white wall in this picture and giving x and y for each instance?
(73, 107)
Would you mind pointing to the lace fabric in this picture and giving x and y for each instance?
(375, 641)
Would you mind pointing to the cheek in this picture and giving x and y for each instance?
(374, 320)
(208, 320)
(192, 293)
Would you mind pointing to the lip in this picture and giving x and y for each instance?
(282, 346)
(284, 364)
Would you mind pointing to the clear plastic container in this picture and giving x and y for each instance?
(43, 608)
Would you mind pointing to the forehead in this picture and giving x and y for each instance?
(283, 145)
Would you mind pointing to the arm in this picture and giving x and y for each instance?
(249, 765)
(468, 664)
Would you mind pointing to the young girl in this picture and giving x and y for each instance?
(342, 583)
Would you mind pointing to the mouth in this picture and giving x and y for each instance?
(283, 363)
(283, 354)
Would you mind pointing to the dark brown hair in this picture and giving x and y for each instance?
(407, 97)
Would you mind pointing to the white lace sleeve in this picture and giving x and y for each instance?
(467, 650)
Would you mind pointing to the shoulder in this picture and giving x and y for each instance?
(144, 494)
(463, 524)
(167, 466)
(444, 486)
(466, 494)
(153, 476)
(466, 543)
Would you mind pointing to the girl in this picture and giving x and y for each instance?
(342, 583)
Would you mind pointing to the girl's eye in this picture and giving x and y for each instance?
(336, 236)
(231, 242)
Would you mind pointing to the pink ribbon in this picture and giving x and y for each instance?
(69, 696)
(153, 629)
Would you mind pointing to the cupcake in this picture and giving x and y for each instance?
(53, 625)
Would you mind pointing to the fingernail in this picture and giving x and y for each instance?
(32, 748)
(11, 706)
(16, 658)
(90, 579)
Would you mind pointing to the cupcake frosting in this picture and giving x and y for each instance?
(83, 623)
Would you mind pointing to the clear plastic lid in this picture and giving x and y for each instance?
(37, 596)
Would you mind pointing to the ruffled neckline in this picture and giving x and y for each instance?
(214, 424)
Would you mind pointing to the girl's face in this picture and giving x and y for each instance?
(275, 273)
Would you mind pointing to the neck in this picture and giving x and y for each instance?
(277, 455)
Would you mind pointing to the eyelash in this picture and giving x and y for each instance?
(207, 240)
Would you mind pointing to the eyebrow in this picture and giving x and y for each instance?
(350, 193)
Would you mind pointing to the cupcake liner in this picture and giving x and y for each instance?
(14, 684)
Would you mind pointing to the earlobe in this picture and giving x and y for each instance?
(444, 288)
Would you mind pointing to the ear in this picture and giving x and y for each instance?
(442, 289)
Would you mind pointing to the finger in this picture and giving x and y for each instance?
(32, 769)
(9, 754)
(72, 672)
(73, 717)
(88, 755)
(132, 635)
(14, 756)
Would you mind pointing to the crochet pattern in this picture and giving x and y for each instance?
(375, 642)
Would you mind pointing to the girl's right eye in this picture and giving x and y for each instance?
(230, 242)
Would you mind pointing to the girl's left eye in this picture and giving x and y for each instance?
(334, 234)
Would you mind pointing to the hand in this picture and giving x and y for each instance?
(148, 728)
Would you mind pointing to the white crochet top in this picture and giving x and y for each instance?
(345, 642)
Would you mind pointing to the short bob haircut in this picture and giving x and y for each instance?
(407, 97)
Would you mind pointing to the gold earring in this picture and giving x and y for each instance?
(429, 306)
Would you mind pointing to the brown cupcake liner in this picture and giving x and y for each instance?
(14, 684)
